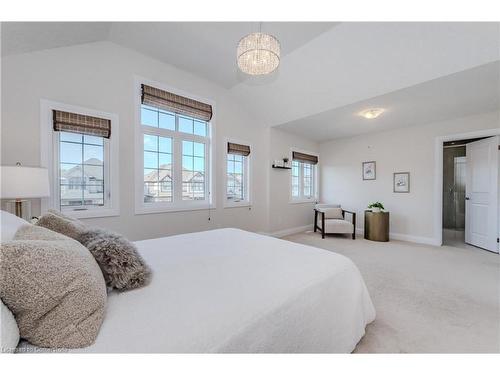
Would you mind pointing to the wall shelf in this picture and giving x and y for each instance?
(278, 167)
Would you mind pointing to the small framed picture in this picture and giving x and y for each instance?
(402, 182)
(369, 170)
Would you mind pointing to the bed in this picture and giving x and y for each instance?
(229, 290)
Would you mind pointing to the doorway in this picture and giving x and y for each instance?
(454, 159)
(470, 193)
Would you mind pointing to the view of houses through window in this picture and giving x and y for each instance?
(235, 177)
(157, 169)
(81, 170)
(169, 139)
(302, 180)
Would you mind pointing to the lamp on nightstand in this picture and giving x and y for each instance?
(20, 183)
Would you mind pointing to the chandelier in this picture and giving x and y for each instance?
(258, 54)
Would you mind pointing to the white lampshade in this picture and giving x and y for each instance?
(24, 182)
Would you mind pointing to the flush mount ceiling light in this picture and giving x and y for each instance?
(372, 113)
(258, 54)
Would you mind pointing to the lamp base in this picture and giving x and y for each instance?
(20, 208)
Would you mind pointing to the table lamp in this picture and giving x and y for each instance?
(20, 183)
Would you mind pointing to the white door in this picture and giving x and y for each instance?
(481, 194)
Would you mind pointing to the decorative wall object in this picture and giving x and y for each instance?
(402, 182)
(369, 170)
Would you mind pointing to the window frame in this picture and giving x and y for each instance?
(315, 180)
(49, 158)
(247, 175)
(177, 203)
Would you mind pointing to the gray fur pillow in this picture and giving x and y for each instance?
(122, 266)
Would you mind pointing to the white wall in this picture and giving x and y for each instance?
(101, 76)
(284, 215)
(403, 150)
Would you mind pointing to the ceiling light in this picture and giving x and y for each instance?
(258, 54)
(372, 113)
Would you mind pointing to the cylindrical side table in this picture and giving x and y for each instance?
(377, 226)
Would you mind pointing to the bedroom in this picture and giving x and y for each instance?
(164, 133)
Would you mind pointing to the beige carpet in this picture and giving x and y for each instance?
(428, 299)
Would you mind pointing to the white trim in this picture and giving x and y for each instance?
(405, 238)
(438, 175)
(210, 154)
(247, 202)
(415, 239)
(289, 231)
(303, 201)
(316, 169)
(47, 160)
(359, 231)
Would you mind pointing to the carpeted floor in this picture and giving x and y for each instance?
(428, 299)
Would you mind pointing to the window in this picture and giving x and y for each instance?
(237, 175)
(157, 169)
(175, 148)
(80, 154)
(303, 177)
(81, 171)
(193, 171)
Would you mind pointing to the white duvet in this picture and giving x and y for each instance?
(228, 290)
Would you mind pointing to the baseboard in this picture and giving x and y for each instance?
(407, 238)
(289, 231)
(416, 239)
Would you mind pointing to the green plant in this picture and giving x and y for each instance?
(376, 205)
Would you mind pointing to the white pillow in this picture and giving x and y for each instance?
(333, 213)
(9, 225)
(9, 331)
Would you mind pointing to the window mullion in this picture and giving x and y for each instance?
(177, 170)
(83, 174)
(301, 181)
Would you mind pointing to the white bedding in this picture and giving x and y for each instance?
(228, 290)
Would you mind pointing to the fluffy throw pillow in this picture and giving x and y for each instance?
(122, 266)
(60, 223)
(9, 332)
(54, 287)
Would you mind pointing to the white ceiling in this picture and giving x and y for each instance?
(325, 67)
(356, 61)
(21, 37)
(469, 92)
(206, 49)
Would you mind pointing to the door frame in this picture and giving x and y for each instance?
(438, 175)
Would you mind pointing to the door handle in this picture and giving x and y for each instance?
(467, 198)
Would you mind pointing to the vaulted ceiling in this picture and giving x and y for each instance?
(422, 72)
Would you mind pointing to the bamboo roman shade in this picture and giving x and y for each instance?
(176, 103)
(234, 148)
(76, 123)
(304, 158)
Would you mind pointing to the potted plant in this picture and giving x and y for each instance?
(376, 207)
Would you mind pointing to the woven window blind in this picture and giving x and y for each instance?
(175, 103)
(234, 148)
(305, 158)
(76, 123)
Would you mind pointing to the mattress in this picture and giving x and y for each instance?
(228, 290)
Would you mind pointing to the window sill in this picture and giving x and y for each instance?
(237, 204)
(89, 214)
(142, 210)
(302, 201)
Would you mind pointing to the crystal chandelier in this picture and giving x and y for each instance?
(258, 54)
